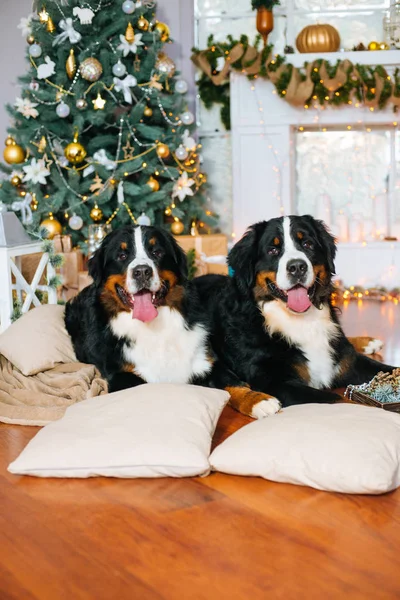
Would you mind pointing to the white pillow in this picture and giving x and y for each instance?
(339, 448)
(153, 430)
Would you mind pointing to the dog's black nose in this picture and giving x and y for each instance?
(142, 272)
(297, 267)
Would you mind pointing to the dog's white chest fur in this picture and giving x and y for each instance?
(311, 332)
(163, 350)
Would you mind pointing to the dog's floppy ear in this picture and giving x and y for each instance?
(243, 257)
(96, 265)
(326, 241)
(98, 260)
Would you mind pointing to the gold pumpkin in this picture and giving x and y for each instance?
(318, 38)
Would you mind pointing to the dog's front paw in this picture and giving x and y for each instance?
(266, 408)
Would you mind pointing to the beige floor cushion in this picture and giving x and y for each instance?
(153, 430)
(339, 448)
(38, 341)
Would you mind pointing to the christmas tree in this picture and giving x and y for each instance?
(101, 131)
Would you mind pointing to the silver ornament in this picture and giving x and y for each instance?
(35, 51)
(81, 104)
(143, 219)
(181, 153)
(119, 69)
(187, 117)
(62, 110)
(181, 86)
(75, 222)
(128, 7)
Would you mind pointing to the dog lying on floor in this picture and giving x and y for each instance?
(142, 321)
(273, 324)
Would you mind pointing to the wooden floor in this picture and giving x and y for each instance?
(220, 537)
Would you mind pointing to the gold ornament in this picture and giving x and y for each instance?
(75, 153)
(99, 103)
(96, 214)
(91, 69)
(143, 24)
(22, 193)
(130, 34)
(52, 225)
(384, 46)
(50, 25)
(264, 22)
(34, 203)
(153, 184)
(165, 64)
(13, 153)
(162, 151)
(148, 111)
(43, 15)
(162, 30)
(373, 46)
(16, 180)
(318, 38)
(70, 65)
(30, 40)
(42, 144)
(177, 227)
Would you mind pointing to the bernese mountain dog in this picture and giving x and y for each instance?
(140, 320)
(273, 323)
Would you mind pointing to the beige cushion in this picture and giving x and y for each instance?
(38, 341)
(153, 430)
(339, 448)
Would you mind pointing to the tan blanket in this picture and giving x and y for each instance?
(39, 399)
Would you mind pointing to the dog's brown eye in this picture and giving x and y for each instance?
(157, 253)
(308, 245)
(122, 256)
(273, 251)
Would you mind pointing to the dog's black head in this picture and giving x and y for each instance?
(289, 259)
(136, 268)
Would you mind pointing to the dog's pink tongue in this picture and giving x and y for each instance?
(298, 299)
(143, 308)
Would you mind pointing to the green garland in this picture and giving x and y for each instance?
(268, 4)
(360, 81)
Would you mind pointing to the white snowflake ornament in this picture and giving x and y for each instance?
(127, 47)
(36, 172)
(26, 107)
(25, 25)
(183, 187)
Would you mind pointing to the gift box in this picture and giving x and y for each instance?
(69, 274)
(211, 252)
(84, 280)
(62, 243)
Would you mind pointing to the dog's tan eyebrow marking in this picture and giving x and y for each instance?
(153, 241)
(300, 235)
(276, 241)
(124, 246)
